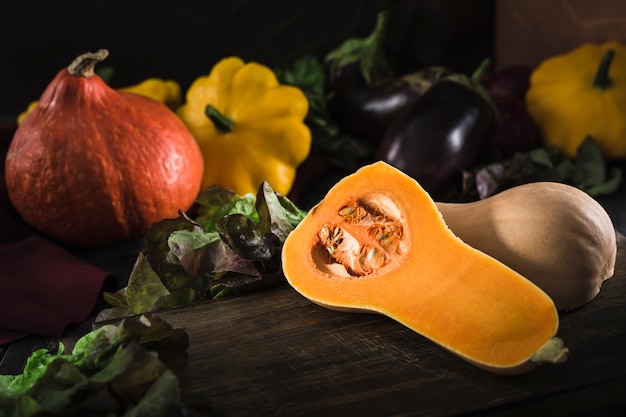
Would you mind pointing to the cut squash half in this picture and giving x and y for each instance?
(377, 243)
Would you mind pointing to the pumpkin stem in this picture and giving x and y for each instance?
(83, 65)
(601, 79)
(222, 123)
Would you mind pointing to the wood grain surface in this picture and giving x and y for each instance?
(529, 31)
(274, 353)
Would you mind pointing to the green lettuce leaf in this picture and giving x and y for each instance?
(588, 171)
(128, 369)
(226, 244)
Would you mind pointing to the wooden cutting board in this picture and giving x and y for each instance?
(274, 353)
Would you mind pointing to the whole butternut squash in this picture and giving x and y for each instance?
(554, 234)
(378, 243)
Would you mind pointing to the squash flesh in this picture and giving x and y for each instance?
(436, 285)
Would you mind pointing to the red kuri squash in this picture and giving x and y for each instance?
(92, 166)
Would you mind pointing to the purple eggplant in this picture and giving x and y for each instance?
(363, 94)
(439, 134)
(511, 81)
(367, 110)
(514, 131)
(349, 71)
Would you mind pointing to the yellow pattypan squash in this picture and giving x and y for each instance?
(582, 93)
(167, 92)
(250, 128)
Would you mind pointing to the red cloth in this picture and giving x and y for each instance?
(43, 287)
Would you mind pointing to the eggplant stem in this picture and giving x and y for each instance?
(481, 70)
(368, 53)
(373, 63)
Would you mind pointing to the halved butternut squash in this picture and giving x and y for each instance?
(377, 243)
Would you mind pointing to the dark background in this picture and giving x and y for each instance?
(182, 40)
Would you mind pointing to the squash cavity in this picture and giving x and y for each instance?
(365, 238)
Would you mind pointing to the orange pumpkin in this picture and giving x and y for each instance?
(93, 166)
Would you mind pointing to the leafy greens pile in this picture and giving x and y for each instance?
(588, 172)
(226, 244)
(127, 370)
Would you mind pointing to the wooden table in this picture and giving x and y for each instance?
(274, 353)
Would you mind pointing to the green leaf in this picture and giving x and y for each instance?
(181, 242)
(189, 249)
(608, 187)
(176, 277)
(61, 386)
(246, 238)
(216, 202)
(144, 287)
(91, 350)
(272, 214)
(229, 244)
(540, 157)
(136, 364)
(224, 259)
(117, 299)
(588, 172)
(306, 72)
(112, 371)
(293, 213)
(157, 248)
(35, 367)
(182, 297)
(163, 394)
(339, 149)
(590, 167)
